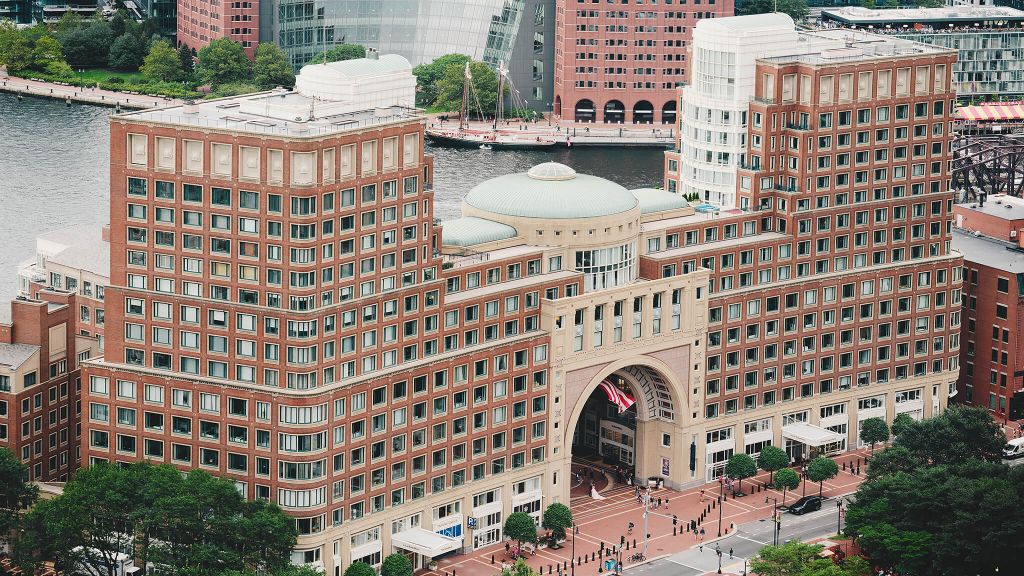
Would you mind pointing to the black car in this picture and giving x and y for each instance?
(805, 505)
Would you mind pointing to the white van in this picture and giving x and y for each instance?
(1014, 449)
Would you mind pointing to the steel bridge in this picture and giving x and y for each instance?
(987, 164)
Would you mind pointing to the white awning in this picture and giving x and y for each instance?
(810, 434)
(425, 542)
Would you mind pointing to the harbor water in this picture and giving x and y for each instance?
(54, 172)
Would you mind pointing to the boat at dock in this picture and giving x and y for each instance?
(493, 138)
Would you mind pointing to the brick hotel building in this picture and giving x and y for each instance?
(283, 309)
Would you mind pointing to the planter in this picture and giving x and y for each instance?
(432, 565)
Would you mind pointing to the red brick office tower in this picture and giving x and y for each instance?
(203, 21)
(620, 62)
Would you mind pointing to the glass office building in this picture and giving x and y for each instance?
(518, 32)
(989, 40)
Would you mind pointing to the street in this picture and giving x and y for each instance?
(745, 544)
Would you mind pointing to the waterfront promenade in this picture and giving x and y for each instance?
(38, 88)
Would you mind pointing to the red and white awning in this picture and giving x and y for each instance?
(616, 396)
(992, 112)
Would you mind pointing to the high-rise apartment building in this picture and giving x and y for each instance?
(622, 62)
(203, 21)
(824, 158)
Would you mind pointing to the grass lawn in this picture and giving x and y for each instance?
(100, 75)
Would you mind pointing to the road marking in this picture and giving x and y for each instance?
(750, 539)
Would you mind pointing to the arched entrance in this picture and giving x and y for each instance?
(668, 112)
(558, 106)
(585, 111)
(614, 112)
(643, 112)
(623, 425)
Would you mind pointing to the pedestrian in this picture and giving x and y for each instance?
(702, 534)
(701, 494)
(701, 546)
(730, 552)
(666, 503)
(507, 547)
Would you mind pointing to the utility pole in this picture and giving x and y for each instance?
(776, 521)
(647, 510)
(721, 502)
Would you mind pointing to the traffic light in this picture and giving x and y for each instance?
(675, 520)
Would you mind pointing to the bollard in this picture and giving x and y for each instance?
(844, 466)
(591, 555)
(713, 503)
(673, 530)
(634, 542)
(492, 558)
(627, 546)
(564, 565)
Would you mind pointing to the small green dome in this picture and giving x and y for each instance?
(470, 231)
(654, 200)
(551, 190)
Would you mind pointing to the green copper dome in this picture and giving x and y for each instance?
(551, 190)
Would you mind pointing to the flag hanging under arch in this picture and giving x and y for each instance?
(617, 397)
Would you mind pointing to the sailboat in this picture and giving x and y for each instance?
(486, 139)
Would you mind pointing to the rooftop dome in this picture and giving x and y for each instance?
(655, 200)
(551, 190)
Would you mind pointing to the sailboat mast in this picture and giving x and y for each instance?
(500, 101)
(464, 112)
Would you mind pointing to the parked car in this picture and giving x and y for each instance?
(1014, 449)
(805, 505)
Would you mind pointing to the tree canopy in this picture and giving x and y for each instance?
(786, 479)
(223, 61)
(396, 565)
(484, 93)
(31, 49)
(16, 493)
(772, 458)
(873, 431)
(901, 423)
(428, 75)
(360, 569)
(740, 467)
(339, 53)
(196, 523)
(163, 63)
(127, 52)
(795, 558)
(270, 67)
(797, 9)
(944, 506)
(821, 469)
(519, 526)
(557, 518)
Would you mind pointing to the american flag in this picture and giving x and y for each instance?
(617, 397)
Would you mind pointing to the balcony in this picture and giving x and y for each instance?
(787, 189)
(798, 126)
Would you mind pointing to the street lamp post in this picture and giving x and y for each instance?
(775, 519)
(718, 551)
(572, 562)
(839, 516)
(721, 502)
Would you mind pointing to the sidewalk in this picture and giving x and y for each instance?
(605, 522)
(86, 95)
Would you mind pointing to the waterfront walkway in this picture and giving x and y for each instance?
(38, 88)
(572, 134)
(603, 523)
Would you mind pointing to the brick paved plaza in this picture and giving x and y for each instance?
(605, 521)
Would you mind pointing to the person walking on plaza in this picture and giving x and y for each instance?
(666, 503)
(702, 534)
(701, 494)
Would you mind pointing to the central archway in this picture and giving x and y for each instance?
(624, 423)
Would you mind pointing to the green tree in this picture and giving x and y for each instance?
(873, 431)
(196, 523)
(786, 479)
(428, 75)
(890, 4)
(224, 61)
(869, 4)
(484, 93)
(797, 9)
(339, 53)
(15, 48)
(271, 67)
(740, 467)
(187, 59)
(162, 63)
(87, 44)
(901, 423)
(520, 568)
(821, 469)
(16, 493)
(396, 565)
(557, 518)
(959, 434)
(69, 21)
(360, 569)
(795, 558)
(519, 526)
(127, 52)
(892, 460)
(772, 458)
